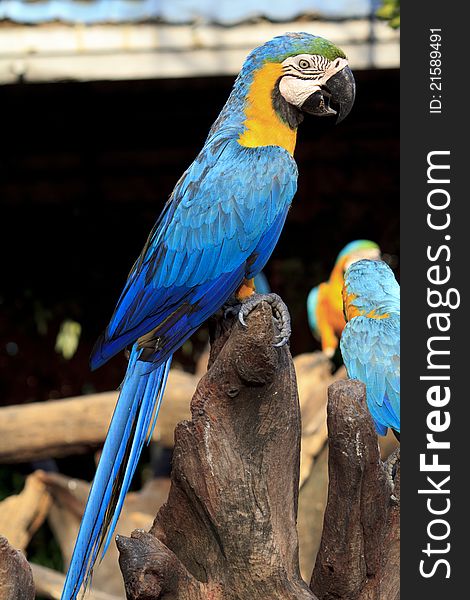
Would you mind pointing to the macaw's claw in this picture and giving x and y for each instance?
(280, 314)
(232, 307)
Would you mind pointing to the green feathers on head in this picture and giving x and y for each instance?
(291, 44)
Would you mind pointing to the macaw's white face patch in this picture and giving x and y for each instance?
(305, 74)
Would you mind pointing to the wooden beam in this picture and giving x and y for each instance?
(140, 51)
(50, 583)
(76, 425)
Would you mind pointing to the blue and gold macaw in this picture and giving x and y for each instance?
(214, 235)
(370, 343)
(325, 302)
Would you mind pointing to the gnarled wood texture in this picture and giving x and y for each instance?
(16, 579)
(358, 557)
(228, 530)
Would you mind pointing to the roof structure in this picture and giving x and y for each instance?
(222, 12)
(51, 40)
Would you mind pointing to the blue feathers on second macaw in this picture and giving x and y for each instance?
(214, 235)
(370, 343)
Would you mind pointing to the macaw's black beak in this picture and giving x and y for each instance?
(336, 97)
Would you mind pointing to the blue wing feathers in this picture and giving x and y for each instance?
(240, 218)
(266, 245)
(151, 390)
(371, 353)
(141, 392)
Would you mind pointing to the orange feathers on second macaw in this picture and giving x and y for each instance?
(325, 303)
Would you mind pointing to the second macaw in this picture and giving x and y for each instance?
(214, 235)
(370, 344)
(325, 303)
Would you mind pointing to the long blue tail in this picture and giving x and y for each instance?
(132, 424)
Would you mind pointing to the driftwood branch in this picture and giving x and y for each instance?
(228, 527)
(21, 515)
(358, 557)
(77, 425)
(16, 580)
(69, 495)
(49, 584)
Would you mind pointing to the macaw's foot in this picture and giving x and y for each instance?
(231, 307)
(391, 469)
(280, 314)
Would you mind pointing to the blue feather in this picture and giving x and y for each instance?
(151, 389)
(140, 395)
(370, 343)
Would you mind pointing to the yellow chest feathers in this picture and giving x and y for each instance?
(263, 126)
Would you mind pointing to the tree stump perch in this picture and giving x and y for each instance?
(358, 557)
(16, 579)
(228, 530)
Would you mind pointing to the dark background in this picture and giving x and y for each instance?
(85, 169)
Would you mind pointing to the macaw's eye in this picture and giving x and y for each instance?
(304, 64)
